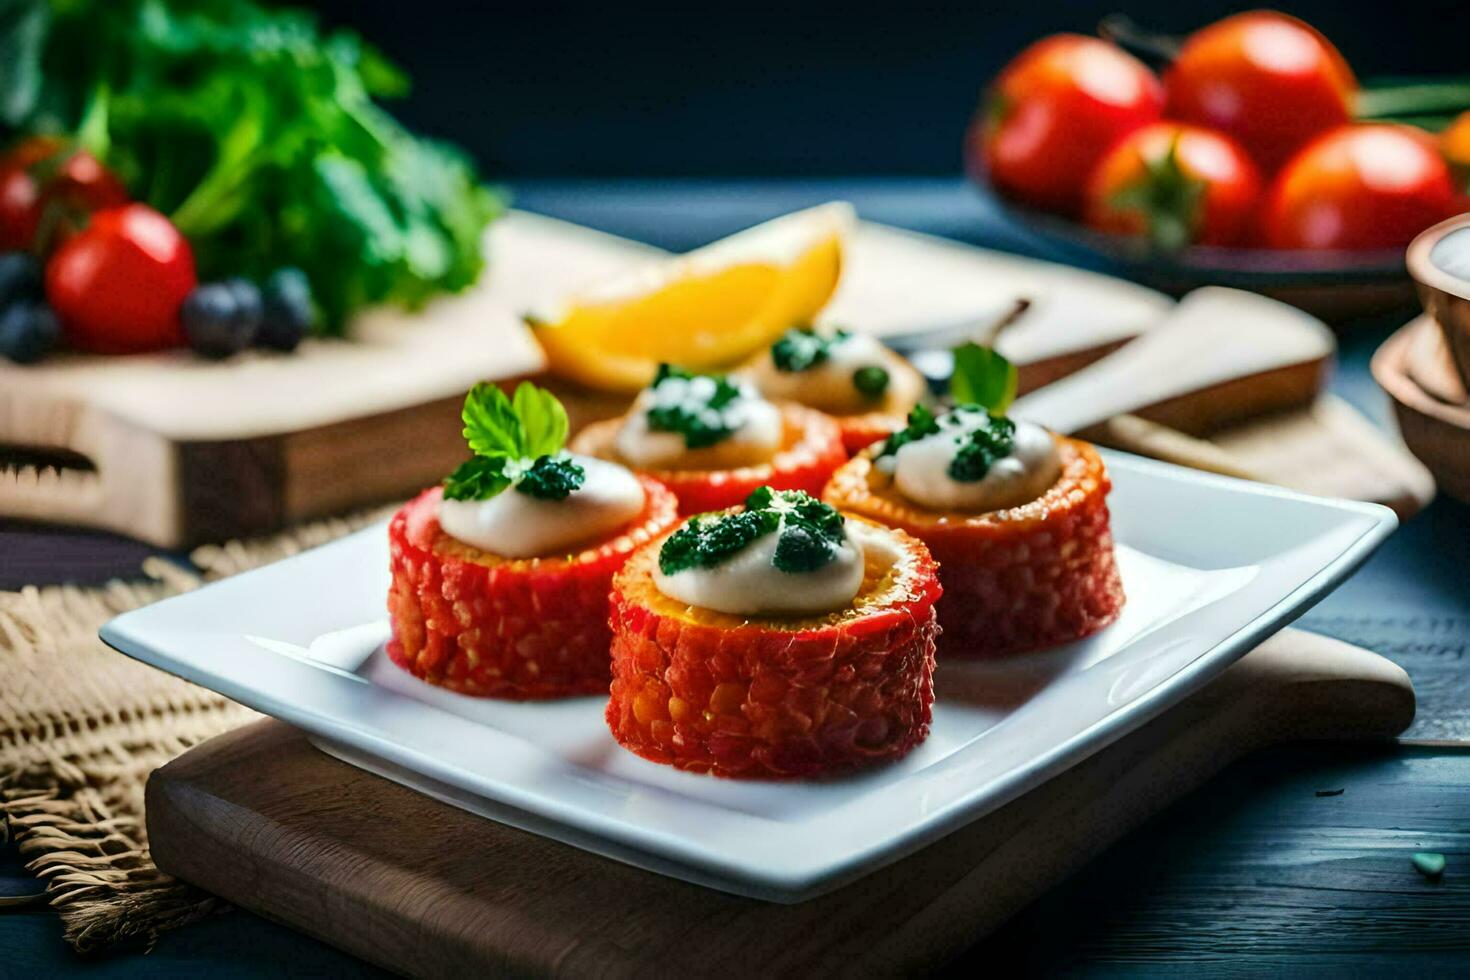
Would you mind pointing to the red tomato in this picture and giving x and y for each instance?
(117, 285)
(1054, 111)
(1178, 184)
(42, 174)
(1269, 80)
(1360, 187)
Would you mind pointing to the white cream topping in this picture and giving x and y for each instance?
(921, 468)
(748, 584)
(827, 386)
(756, 422)
(516, 525)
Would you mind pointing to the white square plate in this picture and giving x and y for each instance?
(1211, 566)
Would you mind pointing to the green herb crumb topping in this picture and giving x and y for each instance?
(810, 534)
(695, 406)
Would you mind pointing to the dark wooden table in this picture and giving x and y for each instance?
(1255, 873)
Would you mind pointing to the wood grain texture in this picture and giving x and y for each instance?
(264, 819)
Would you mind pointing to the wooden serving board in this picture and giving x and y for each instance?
(262, 818)
(175, 450)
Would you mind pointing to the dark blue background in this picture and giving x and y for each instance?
(613, 89)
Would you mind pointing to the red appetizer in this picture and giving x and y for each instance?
(777, 640)
(713, 439)
(852, 377)
(1016, 516)
(500, 577)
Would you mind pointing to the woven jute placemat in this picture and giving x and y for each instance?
(82, 726)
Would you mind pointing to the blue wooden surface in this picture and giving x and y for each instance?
(1252, 874)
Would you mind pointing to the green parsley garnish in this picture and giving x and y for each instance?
(922, 422)
(870, 381)
(810, 530)
(993, 439)
(700, 417)
(516, 441)
(982, 377)
(802, 348)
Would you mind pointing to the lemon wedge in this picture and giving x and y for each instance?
(704, 310)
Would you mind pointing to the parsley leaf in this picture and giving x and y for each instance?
(922, 422)
(477, 478)
(551, 478)
(802, 348)
(543, 420)
(699, 417)
(870, 381)
(491, 425)
(993, 439)
(982, 377)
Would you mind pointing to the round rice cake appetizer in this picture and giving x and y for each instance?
(865, 386)
(500, 577)
(713, 439)
(780, 640)
(1016, 516)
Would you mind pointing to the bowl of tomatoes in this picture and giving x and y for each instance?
(1251, 158)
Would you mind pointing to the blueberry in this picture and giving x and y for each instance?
(214, 323)
(28, 331)
(249, 304)
(20, 277)
(289, 313)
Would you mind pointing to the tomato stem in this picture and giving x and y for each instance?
(1123, 31)
(1429, 97)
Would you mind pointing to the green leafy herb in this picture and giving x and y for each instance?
(982, 377)
(529, 424)
(477, 478)
(1168, 198)
(922, 422)
(262, 137)
(993, 439)
(697, 410)
(802, 348)
(1430, 864)
(870, 381)
(516, 440)
(811, 532)
(551, 478)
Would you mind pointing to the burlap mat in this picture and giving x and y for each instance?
(81, 727)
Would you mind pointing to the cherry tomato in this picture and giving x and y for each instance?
(1053, 112)
(118, 284)
(1360, 187)
(44, 178)
(1269, 80)
(1178, 184)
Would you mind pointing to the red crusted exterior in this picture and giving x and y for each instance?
(506, 628)
(756, 700)
(861, 431)
(811, 451)
(1020, 579)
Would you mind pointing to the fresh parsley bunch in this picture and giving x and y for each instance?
(517, 441)
(984, 382)
(260, 135)
(811, 532)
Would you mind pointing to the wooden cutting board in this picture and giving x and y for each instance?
(262, 818)
(174, 450)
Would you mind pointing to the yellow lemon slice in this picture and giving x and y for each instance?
(704, 310)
